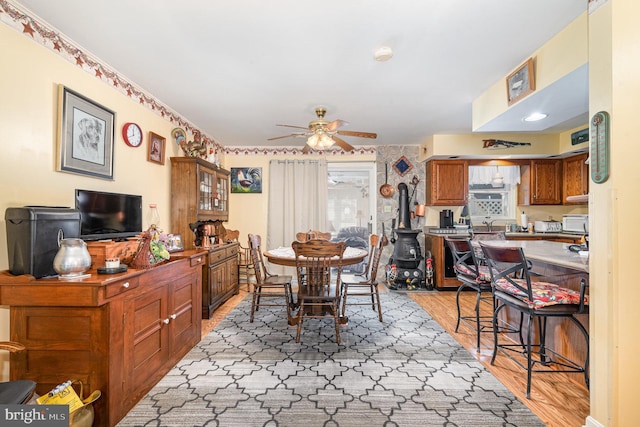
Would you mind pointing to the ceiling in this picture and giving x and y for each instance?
(235, 69)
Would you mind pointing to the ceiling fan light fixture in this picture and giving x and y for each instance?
(383, 54)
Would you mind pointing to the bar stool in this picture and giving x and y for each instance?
(475, 276)
(537, 298)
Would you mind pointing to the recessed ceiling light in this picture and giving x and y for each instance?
(534, 117)
(383, 53)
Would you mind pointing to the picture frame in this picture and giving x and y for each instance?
(85, 137)
(157, 148)
(175, 243)
(246, 180)
(520, 82)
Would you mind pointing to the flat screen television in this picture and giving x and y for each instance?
(108, 215)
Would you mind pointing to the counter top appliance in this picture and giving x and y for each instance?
(547, 226)
(575, 223)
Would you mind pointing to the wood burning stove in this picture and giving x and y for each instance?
(405, 269)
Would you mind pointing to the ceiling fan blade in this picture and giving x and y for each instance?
(336, 124)
(342, 143)
(360, 134)
(286, 136)
(296, 127)
(306, 149)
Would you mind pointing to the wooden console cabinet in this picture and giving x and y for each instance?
(220, 277)
(119, 334)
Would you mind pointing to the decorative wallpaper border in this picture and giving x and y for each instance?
(279, 151)
(18, 19)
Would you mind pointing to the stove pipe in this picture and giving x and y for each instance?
(404, 217)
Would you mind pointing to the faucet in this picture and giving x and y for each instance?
(489, 223)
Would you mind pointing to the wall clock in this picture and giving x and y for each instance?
(132, 134)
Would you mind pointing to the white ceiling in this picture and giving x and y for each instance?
(235, 69)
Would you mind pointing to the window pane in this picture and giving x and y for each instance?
(349, 199)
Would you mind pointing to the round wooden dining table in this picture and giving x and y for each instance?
(285, 256)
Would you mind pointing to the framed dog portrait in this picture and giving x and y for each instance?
(156, 148)
(85, 135)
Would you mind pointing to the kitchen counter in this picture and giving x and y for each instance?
(554, 253)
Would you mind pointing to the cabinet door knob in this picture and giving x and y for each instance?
(125, 285)
(173, 316)
(166, 321)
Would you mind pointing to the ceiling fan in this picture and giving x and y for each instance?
(322, 134)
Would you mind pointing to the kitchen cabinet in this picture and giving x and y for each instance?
(199, 192)
(119, 334)
(540, 182)
(576, 178)
(447, 182)
(444, 275)
(219, 277)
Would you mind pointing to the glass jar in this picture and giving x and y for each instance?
(154, 216)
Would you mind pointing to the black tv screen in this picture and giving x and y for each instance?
(108, 215)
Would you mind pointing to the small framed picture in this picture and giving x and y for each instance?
(175, 243)
(521, 82)
(157, 145)
(246, 180)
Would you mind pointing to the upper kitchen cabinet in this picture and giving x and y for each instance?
(575, 187)
(541, 182)
(199, 192)
(447, 182)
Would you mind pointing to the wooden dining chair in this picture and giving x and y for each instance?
(312, 234)
(245, 263)
(319, 290)
(539, 298)
(355, 286)
(277, 286)
(16, 391)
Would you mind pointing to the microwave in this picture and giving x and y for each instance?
(575, 223)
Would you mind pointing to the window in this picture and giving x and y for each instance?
(493, 192)
(349, 200)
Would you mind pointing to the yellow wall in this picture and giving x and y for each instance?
(614, 41)
(28, 123)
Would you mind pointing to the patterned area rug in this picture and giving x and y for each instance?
(406, 371)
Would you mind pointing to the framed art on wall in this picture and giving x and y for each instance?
(521, 82)
(246, 180)
(85, 135)
(157, 146)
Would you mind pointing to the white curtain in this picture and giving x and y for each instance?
(297, 199)
(484, 174)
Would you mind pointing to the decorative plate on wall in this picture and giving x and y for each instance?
(402, 166)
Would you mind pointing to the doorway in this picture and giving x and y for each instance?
(350, 201)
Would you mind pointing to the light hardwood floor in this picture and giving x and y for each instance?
(560, 400)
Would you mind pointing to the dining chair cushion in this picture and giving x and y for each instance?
(484, 276)
(544, 293)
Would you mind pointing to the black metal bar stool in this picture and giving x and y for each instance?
(538, 298)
